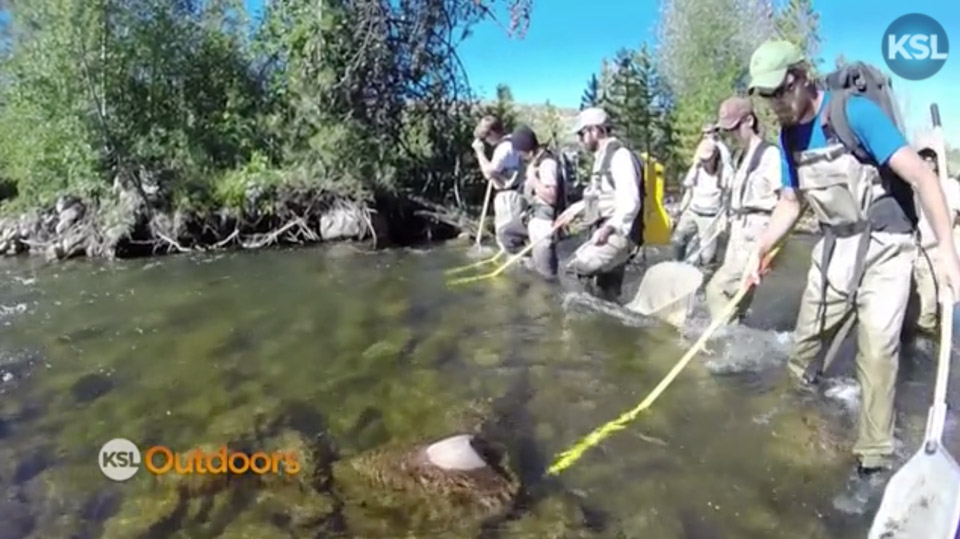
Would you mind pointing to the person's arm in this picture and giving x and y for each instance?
(545, 181)
(688, 182)
(888, 147)
(909, 166)
(492, 169)
(626, 182)
(952, 192)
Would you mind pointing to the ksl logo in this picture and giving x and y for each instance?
(915, 46)
(119, 459)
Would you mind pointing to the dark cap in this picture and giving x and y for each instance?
(732, 111)
(524, 139)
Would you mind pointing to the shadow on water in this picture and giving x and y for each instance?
(335, 352)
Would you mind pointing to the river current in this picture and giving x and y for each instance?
(355, 349)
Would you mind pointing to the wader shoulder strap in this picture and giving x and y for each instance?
(830, 235)
(837, 126)
(604, 172)
(757, 156)
(752, 166)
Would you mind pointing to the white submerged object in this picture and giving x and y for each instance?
(455, 453)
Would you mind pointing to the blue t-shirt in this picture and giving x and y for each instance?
(878, 134)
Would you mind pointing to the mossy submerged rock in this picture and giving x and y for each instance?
(552, 518)
(300, 462)
(143, 511)
(294, 507)
(458, 480)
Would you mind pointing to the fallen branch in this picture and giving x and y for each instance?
(233, 236)
(172, 242)
(32, 244)
(271, 237)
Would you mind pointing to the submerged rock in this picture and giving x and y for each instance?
(150, 510)
(302, 511)
(90, 387)
(17, 520)
(457, 480)
(557, 517)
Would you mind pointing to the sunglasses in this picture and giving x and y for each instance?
(787, 87)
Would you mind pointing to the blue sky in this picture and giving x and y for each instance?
(566, 43)
(567, 40)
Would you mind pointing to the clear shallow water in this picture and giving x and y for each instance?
(335, 351)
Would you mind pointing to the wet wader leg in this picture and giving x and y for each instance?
(926, 289)
(508, 207)
(821, 310)
(911, 318)
(726, 281)
(744, 233)
(705, 229)
(685, 231)
(610, 284)
(881, 303)
(544, 254)
(603, 264)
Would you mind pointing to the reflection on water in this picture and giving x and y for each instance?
(335, 352)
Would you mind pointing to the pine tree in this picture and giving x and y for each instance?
(504, 107)
(604, 95)
(552, 126)
(623, 106)
(590, 97)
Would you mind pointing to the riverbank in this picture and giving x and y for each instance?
(134, 220)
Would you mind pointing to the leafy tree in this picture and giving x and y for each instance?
(799, 23)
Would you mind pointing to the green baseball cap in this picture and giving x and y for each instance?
(769, 64)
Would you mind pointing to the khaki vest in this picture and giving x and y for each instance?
(839, 188)
(601, 194)
(540, 209)
(745, 197)
(515, 170)
(707, 191)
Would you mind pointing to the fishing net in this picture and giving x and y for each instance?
(667, 292)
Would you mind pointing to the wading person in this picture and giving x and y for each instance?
(753, 195)
(612, 205)
(546, 194)
(924, 310)
(504, 170)
(702, 204)
(844, 156)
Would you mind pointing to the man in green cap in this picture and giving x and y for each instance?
(861, 194)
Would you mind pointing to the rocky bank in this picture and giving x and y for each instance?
(138, 219)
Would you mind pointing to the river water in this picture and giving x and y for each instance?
(346, 349)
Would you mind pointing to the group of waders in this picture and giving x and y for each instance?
(886, 214)
(530, 186)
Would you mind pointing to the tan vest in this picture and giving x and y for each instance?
(746, 197)
(839, 188)
(707, 191)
